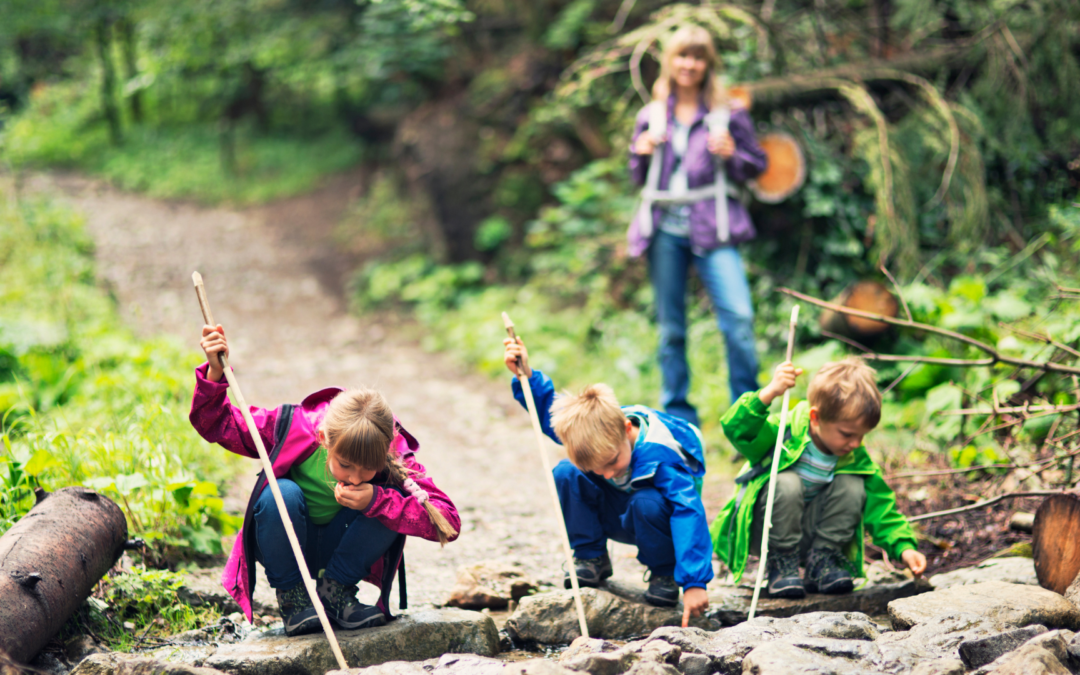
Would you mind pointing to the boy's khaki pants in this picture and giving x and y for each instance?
(829, 520)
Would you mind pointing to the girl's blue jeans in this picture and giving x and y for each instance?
(346, 547)
(721, 271)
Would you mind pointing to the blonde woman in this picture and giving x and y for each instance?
(705, 143)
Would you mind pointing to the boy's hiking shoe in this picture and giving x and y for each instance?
(297, 612)
(663, 591)
(591, 572)
(784, 581)
(826, 572)
(343, 607)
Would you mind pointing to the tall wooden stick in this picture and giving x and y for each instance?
(524, 372)
(268, 469)
(767, 525)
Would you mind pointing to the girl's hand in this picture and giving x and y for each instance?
(915, 561)
(722, 145)
(783, 379)
(213, 343)
(695, 601)
(514, 350)
(646, 143)
(355, 497)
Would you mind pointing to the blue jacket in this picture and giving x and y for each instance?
(670, 457)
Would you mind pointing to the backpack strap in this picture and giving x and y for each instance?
(658, 128)
(717, 121)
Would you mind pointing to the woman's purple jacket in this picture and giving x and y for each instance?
(290, 436)
(748, 161)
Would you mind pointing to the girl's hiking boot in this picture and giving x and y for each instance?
(343, 607)
(591, 572)
(297, 612)
(826, 572)
(663, 591)
(784, 581)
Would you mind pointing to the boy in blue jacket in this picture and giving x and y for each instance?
(634, 475)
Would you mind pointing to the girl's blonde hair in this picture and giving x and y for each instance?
(699, 42)
(360, 428)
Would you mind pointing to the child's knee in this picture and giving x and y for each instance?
(566, 473)
(649, 506)
(789, 489)
(291, 494)
(850, 489)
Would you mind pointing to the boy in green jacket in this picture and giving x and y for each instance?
(827, 489)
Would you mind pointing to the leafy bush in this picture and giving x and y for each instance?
(84, 402)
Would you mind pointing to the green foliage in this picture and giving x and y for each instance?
(84, 402)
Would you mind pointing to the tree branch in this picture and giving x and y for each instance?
(995, 355)
(985, 502)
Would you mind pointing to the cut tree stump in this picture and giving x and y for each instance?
(1056, 544)
(50, 561)
(868, 296)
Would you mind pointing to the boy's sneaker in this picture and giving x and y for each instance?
(826, 572)
(343, 607)
(297, 612)
(591, 572)
(663, 591)
(783, 569)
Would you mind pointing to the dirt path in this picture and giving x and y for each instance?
(274, 281)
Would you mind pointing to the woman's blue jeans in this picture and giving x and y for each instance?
(346, 547)
(721, 271)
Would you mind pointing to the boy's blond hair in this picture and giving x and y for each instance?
(591, 425)
(846, 391)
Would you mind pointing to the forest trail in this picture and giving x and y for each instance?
(275, 281)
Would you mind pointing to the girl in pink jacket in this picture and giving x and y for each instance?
(352, 487)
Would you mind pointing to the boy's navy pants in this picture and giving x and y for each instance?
(596, 511)
(346, 547)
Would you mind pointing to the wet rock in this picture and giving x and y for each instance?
(731, 606)
(125, 664)
(1015, 605)
(468, 664)
(981, 651)
(203, 587)
(694, 664)
(414, 636)
(536, 667)
(1009, 570)
(551, 618)
(939, 667)
(390, 668)
(652, 668)
(810, 655)
(1045, 654)
(490, 584)
(943, 635)
(191, 654)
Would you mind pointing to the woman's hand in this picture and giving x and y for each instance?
(213, 343)
(695, 601)
(355, 497)
(646, 143)
(514, 351)
(915, 561)
(722, 145)
(783, 379)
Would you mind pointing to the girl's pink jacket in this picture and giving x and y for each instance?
(289, 434)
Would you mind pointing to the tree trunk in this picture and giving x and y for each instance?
(103, 41)
(131, 69)
(50, 561)
(1055, 540)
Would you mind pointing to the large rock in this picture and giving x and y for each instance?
(1045, 654)
(1014, 605)
(490, 584)
(614, 612)
(731, 606)
(981, 651)
(114, 663)
(811, 655)
(1009, 570)
(414, 636)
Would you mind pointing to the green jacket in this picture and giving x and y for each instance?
(752, 431)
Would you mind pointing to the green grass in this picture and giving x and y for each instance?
(61, 128)
(84, 402)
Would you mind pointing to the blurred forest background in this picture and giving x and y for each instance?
(941, 138)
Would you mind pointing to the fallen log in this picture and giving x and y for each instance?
(1055, 544)
(49, 563)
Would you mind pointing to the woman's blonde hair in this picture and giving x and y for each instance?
(699, 42)
(359, 427)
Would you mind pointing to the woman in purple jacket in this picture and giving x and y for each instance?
(680, 222)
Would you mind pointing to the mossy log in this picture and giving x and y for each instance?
(1055, 544)
(50, 562)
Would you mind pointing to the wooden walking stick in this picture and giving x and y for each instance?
(524, 372)
(767, 525)
(268, 469)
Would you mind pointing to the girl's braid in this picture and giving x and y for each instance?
(398, 473)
